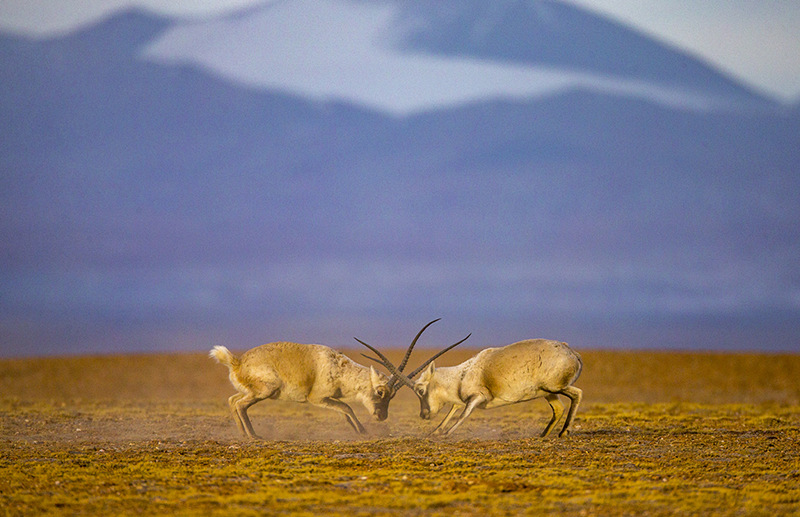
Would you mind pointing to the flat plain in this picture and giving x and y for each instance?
(658, 433)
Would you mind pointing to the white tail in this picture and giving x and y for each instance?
(223, 356)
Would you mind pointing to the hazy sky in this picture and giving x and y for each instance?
(756, 41)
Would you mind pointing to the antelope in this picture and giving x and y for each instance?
(314, 374)
(496, 377)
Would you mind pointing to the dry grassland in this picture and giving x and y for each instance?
(657, 434)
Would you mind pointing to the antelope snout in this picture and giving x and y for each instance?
(381, 414)
(425, 414)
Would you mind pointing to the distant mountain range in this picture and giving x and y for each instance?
(407, 56)
(641, 198)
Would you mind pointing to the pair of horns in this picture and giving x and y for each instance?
(397, 371)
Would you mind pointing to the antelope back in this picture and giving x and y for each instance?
(548, 364)
(294, 364)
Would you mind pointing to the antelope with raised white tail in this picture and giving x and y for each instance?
(315, 374)
(497, 377)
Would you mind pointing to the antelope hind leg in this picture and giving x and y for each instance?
(239, 405)
(575, 395)
(232, 400)
(558, 410)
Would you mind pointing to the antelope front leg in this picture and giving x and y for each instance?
(439, 428)
(472, 403)
(347, 411)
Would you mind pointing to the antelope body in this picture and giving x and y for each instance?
(500, 376)
(315, 374)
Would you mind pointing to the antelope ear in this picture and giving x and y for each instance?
(428, 373)
(375, 377)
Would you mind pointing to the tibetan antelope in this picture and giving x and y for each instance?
(301, 373)
(498, 377)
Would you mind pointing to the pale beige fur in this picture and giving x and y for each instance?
(500, 376)
(315, 374)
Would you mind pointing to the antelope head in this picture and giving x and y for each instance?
(377, 400)
(399, 379)
(382, 391)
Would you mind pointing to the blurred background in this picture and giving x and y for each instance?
(614, 174)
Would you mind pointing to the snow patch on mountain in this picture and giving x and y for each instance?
(344, 50)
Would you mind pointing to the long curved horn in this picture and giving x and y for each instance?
(396, 374)
(399, 375)
(395, 381)
(429, 361)
(413, 343)
(365, 356)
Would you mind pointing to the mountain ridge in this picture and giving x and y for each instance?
(392, 58)
(557, 34)
(136, 192)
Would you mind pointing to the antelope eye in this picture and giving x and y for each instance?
(421, 391)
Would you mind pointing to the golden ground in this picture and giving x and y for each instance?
(657, 434)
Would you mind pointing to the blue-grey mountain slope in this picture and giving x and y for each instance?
(150, 206)
(555, 34)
